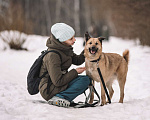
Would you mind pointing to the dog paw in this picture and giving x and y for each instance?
(107, 101)
(103, 103)
(121, 101)
(90, 102)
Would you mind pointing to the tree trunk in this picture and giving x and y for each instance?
(26, 13)
(58, 10)
(47, 15)
(87, 14)
(77, 16)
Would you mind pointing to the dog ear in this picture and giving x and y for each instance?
(87, 36)
(101, 38)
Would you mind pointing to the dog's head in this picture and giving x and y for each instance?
(93, 47)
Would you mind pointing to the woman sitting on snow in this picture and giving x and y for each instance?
(65, 85)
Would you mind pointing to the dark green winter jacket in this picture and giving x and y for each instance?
(57, 69)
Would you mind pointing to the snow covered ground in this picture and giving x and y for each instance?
(17, 104)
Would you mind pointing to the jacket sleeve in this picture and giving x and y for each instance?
(78, 59)
(53, 64)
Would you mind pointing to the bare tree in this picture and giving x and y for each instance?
(26, 12)
(87, 13)
(124, 18)
(77, 16)
(47, 14)
(58, 10)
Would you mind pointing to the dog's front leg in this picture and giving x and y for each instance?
(91, 98)
(92, 94)
(103, 97)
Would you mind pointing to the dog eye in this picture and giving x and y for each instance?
(90, 43)
(96, 43)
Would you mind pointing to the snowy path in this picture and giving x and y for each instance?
(17, 104)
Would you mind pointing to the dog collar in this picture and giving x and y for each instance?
(97, 59)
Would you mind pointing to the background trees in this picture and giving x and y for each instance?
(122, 18)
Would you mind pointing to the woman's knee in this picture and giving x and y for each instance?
(86, 80)
(80, 82)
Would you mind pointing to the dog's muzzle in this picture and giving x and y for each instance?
(93, 50)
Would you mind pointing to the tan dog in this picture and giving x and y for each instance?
(112, 66)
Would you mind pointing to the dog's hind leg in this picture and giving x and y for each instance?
(122, 85)
(121, 77)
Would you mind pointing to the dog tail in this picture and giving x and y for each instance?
(126, 55)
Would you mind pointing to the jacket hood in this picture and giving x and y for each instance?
(53, 43)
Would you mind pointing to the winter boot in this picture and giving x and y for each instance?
(59, 102)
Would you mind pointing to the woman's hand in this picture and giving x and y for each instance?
(80, 70)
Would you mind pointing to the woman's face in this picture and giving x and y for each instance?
(70, 42)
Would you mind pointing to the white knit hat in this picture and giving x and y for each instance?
(62, 31)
